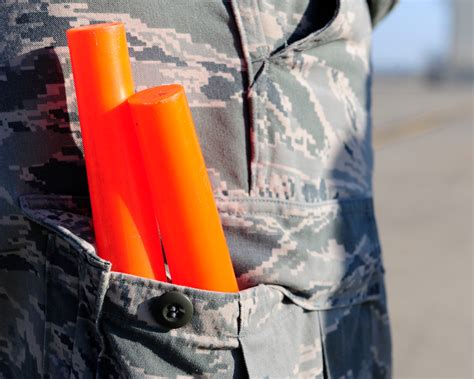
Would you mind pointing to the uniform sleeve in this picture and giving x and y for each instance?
(380, 8)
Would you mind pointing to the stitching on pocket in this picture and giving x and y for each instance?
(152, 285)
(277, 318)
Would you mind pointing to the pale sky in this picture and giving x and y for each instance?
(416, 32)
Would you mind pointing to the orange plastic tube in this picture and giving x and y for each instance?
(192, 235)
(125, 225)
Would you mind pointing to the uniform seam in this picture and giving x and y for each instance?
(249, 75)
(353, 301)
(152, 286)
(152, 328)
(29, 209)
(337, 201)
(323, 346)
(301, 204)
(99, 305)
(287, 216)
(261, 86)
(296, 307)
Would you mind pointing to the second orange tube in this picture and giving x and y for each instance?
(192, 235)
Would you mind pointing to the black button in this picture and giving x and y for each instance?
(172, 309)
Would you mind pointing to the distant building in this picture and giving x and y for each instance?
(462, 53)
(459, 63)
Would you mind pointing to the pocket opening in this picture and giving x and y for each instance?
(317, 17)
(349, 286)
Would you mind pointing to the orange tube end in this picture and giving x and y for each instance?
(192, 234)
(100, 62)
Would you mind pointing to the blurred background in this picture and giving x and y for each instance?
(423, 118)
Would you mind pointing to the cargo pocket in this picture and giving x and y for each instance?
(255, 333)
(102, 323)
(165, 330)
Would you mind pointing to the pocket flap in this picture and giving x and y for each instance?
(69, 217)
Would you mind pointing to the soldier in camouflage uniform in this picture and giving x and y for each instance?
(280, 95)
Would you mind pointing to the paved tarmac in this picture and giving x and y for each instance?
(423, 185)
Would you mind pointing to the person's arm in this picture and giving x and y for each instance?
(380, 8)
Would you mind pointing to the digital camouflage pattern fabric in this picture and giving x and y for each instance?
(280, 95)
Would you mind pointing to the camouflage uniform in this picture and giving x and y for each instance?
(280, 95)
